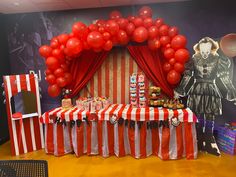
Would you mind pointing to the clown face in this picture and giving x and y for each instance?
(205, 49)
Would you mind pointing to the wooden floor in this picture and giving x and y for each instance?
(88, 166)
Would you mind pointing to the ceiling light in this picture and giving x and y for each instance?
(16, 3)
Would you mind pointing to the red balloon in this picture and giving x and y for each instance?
(52, 63)
(101, 29)
(65, 67)
(172, 61)
(45, 51)
(154, 44)
(145, 12)
(131, 18)
(93, 27)
(58, 54)
(178, 42)
(63, 38)
(115, 14)
(114, 40)
(138, 22)
(86, 46)
(152, 32)
(97, 50)
(140, 34)
(74, 46)
(165, 40)
(130, 28)
(122, 22)
(62, 47)
(68, 78)
(95, 39)
(159, 22)
(48, 71)
(173, 77)
(108, 45)
(147, 22)
(167, 67)
(168, 46)
(51, 79)
(80, 29)
(54, 43)
(59, 72)
(54, 90)
(122, 37)
(179, 67)
(173, 31)
(182, 55)
(169, 53)
(101, 23)
(71, 35)
(163, 30)
(106, 36)
(112, 27)
(61, 82)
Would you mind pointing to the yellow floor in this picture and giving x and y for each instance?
(88, 166)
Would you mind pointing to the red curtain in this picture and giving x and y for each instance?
(151, 64)
(83, 68)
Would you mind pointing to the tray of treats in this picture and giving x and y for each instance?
(155, 98)
(173, 104)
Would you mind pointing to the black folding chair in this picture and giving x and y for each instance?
(23, 168)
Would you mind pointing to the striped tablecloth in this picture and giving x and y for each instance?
(120, 139)
(125, 111)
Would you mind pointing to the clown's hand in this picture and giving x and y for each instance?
(176, 95)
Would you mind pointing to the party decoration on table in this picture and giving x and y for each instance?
(209, 70)
(104, 34)
(155, 98)
(92, 104)
(133, 90)
(141, 91)
(175, 121)
(114, 119)
(66, 101)
(173, 104)
(137, 90)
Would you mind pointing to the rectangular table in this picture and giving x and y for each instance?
(169, 134)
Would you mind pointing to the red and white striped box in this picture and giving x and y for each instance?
(28, 136)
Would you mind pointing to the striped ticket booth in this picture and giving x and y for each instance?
(139, 132)
(26, 132)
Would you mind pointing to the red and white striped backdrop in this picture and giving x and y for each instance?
(30, 136)
(112, 79)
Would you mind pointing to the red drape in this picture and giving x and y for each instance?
(83, 68)
(151, 64)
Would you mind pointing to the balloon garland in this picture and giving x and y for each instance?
(104, 34)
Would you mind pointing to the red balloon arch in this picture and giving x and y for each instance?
(104, 34)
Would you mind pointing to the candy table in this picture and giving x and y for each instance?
(121, 130)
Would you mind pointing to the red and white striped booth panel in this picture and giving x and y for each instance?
(102, 137)
(30, 136)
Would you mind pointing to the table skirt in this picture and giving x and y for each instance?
(106, 139)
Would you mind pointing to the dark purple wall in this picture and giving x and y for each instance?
(26, 32)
